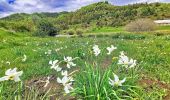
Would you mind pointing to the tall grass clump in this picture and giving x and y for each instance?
(92, 83)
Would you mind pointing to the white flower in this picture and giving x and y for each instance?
(63, 81)
(55, 65)
(111, 49)
(116, 81)
(69, 61)
(124, 60)
(132, 63)
(47, 82)
(66, 82)
(12, 74)
(24, 59)
(67, 88)
(96, 50)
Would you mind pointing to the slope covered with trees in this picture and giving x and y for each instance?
(95, 15)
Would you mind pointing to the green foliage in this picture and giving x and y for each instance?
(45, 28)
(93, 83)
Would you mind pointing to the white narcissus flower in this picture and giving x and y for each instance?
(68, 87)
(55, 65)
(66, 82)
(12, 74)
(124, 60)
(69, 61)
(116, 81)
(24, 59)
(132, 63)
(96, 50)
(111, 49)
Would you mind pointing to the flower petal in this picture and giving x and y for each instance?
(116, 78)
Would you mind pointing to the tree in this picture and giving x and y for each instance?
(141, 25)
(45, 28)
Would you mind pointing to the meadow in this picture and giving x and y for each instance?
(148, 80)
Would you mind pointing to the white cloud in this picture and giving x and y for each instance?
(31, 6)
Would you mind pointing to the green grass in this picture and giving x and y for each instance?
(151, 52)
(107, 30)
(164, 27)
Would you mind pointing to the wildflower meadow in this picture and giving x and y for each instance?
(100, 68)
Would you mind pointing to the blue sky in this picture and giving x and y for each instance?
(8, 7)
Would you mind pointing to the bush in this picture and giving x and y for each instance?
(45, 28)
(70, 32)
(141, 25)
(79, 32)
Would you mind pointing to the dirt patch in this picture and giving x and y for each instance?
(106, 63)
(56, 91)
(148, 83)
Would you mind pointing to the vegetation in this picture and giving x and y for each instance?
(101, 61)
(141, 25)
(152, 65)
(45, 28)
(93, 16)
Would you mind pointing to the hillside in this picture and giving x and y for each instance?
(104, 14)
(94, 15)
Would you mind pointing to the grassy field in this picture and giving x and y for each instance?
(149, 80)
(107, 29)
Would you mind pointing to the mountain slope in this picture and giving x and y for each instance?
(104, 14)
(97, 15)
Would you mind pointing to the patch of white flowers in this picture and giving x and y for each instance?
(125, 61)
(66, 81)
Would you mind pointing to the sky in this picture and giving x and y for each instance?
(8, 7)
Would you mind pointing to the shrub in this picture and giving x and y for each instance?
(141, 25)
(70, 32)
(45, 28)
